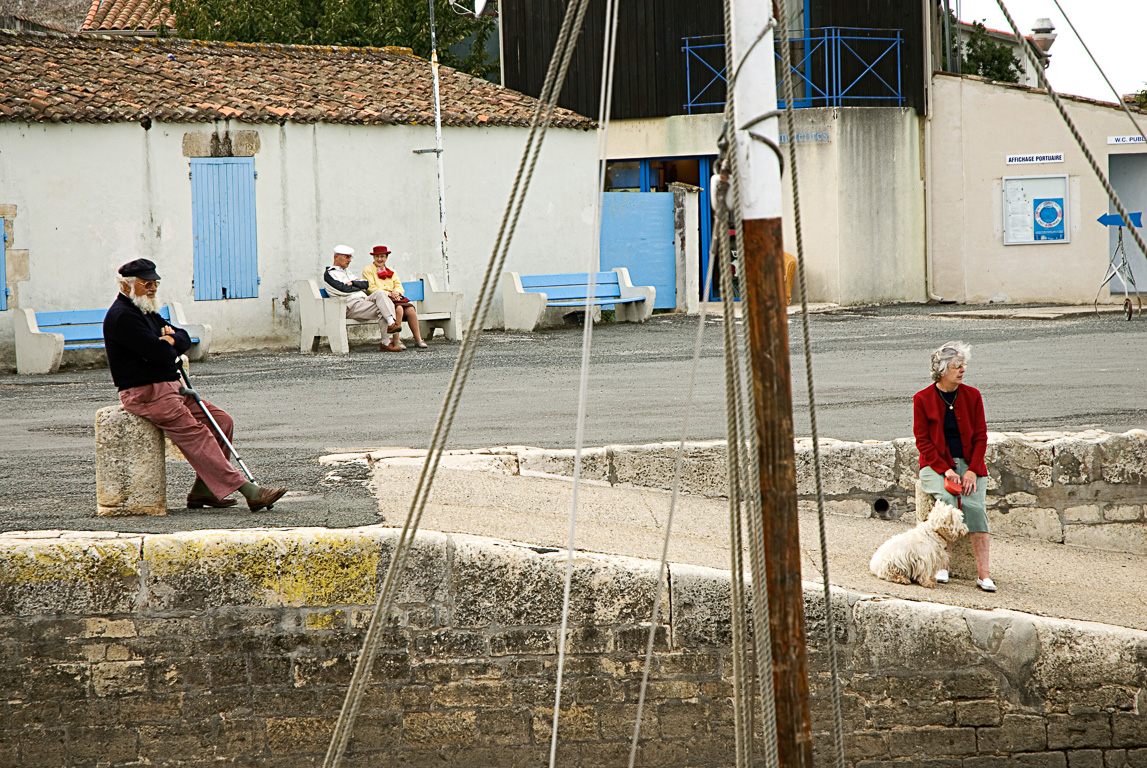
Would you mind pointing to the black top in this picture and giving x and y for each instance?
(951, 425)
(136, 355)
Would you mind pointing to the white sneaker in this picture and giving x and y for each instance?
(986, 584)
(942, 576)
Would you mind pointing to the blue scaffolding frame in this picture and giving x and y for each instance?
(835, 46)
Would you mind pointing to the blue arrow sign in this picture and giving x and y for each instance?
(1115, 220)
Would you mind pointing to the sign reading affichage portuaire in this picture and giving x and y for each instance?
(1048, 157)
(1125, 140)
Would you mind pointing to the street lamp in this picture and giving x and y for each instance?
(1043, 35)
(464, 11)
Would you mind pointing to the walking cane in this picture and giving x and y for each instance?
(187, 389)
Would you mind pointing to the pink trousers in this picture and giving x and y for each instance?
(187, 426)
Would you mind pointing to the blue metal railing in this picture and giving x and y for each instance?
(832, 67)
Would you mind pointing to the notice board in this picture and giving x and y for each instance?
(1036, 210)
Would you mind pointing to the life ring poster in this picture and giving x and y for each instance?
(1036, 210)
(1048, 218)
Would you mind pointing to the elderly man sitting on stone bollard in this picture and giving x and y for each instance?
(143, 353)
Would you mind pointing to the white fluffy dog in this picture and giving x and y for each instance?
(917, 554)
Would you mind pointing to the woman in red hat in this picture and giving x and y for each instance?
(381, 278)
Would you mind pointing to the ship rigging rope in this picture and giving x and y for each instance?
(1037, 65)
(539, 122)
(830, 627)
(605, 101)
(742, 458)
(1118, 98)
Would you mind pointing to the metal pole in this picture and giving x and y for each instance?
(959, 50)
(188, 390)
(759, 180)
(438, 147)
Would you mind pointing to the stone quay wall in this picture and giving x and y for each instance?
(1087, 489)
(236, 647)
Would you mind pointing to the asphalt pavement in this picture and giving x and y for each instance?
(1074, 372)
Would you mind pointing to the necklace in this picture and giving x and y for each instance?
(950, 403)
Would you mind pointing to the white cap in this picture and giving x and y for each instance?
(344, 250)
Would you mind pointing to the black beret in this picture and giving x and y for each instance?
(144, 269)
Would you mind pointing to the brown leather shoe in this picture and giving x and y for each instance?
(390, 347)
(394, 328)
(198, 501)
(266, 499)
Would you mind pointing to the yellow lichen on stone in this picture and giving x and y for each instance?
(305, 566)
(38, 560)
(325, 620)
(251, 556)
(332, 567)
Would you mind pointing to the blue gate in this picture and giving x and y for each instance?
(637, 233)
(223, 228)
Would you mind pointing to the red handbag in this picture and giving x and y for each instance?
(954, 487)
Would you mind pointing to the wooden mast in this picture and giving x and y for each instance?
(762, 262)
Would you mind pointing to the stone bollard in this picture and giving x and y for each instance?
(131, 474)
(962, 561)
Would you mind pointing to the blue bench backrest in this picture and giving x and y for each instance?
(78, 326)
(413, 290)
(572, 286)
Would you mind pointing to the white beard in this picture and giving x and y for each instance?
(146, 304)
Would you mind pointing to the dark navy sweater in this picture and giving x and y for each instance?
(136, 354)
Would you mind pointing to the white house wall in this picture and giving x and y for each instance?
(975, 126)
(677, 136)
(862, 204)
(89, 197)
(861, 187)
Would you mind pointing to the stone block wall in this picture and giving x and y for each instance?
(236, 647)
(1087, 488)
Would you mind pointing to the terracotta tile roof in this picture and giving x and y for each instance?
(18, 23)
(115, 15)
(58, 78)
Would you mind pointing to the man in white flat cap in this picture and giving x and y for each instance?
(378, 306)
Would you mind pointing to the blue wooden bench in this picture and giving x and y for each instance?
(43, 337)
(531, 301)
(321, 315)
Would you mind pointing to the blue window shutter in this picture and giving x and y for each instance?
(3, 267)
(223, 228)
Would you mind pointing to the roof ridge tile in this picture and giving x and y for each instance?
(103, 78)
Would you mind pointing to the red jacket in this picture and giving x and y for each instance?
(928, 427)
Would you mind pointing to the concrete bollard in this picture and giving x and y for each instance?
(962, 561)
(131, 474)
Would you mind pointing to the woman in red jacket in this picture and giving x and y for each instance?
(952, 437)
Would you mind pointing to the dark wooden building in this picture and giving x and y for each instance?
(669, 54)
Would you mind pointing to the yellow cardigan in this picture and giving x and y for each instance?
(391, 285)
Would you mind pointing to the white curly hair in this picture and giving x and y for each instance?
(951, 352)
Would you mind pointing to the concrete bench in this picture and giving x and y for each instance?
(530, 301)
(43, 337)
(322, 315)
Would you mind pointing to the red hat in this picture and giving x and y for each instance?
(380, 250)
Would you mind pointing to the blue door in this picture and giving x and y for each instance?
(223, 228)
(637, 233)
